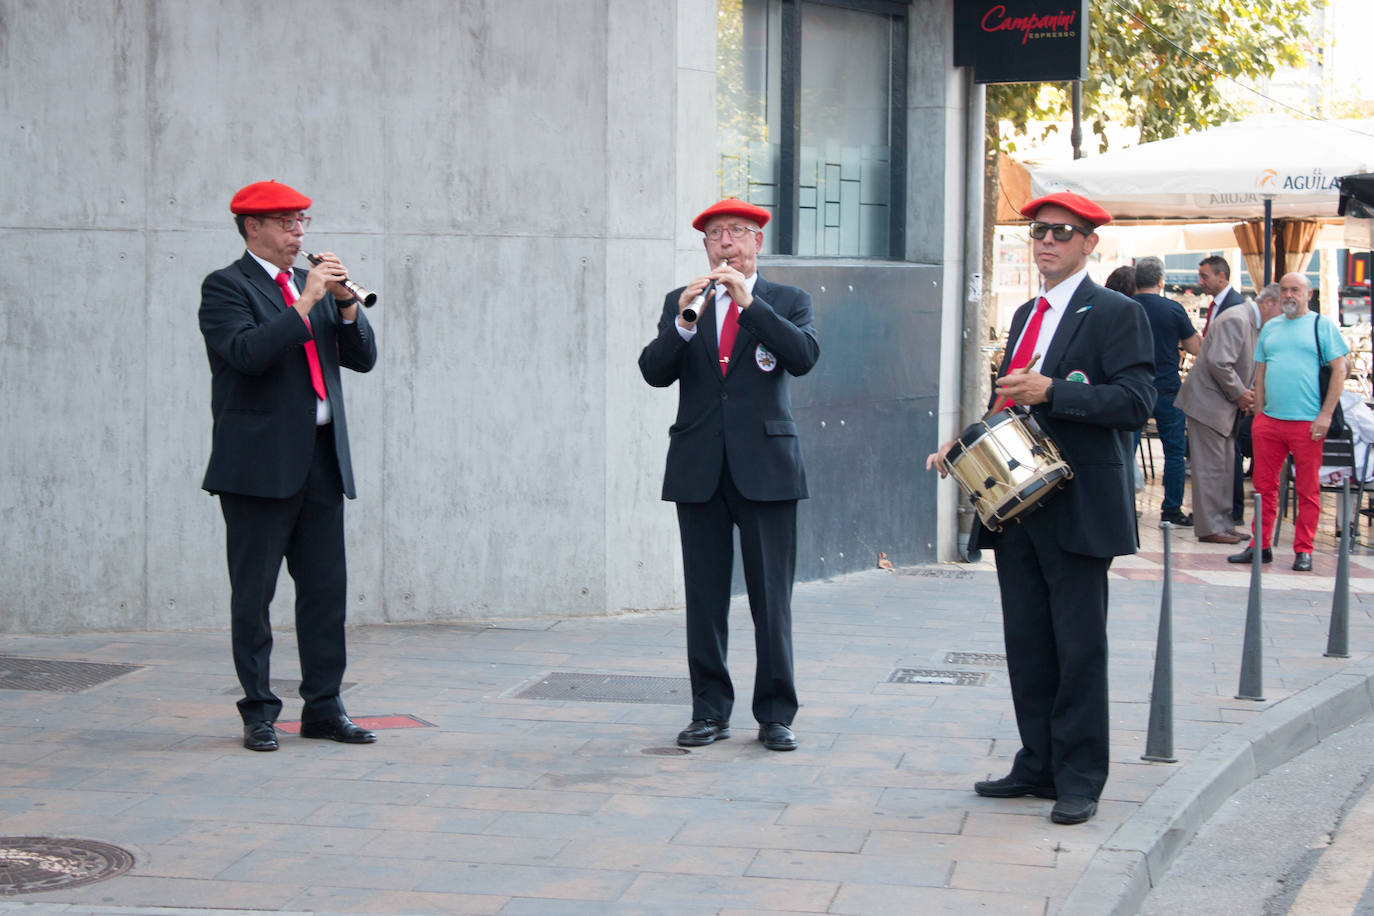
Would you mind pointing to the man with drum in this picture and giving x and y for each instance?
(1080, 357)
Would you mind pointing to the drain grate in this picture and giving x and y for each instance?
(938, 676)
(286, 687)
(935, 572)
(56, 676)
(609, 688)
(986, 659)
(33, 864)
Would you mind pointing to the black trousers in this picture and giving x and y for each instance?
(1054, 618)
(768, 549)
(307, 531)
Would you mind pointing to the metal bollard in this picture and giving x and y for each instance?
(1159, 740)
(1252, 656)
(1338, 636)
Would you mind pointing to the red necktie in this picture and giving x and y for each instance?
(1208, 320)
(727, 335)
(1025, 351)
(312, 354)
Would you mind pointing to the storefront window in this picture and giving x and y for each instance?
(807, 94)
(749, 61)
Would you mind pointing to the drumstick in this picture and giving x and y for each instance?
(1002, 401)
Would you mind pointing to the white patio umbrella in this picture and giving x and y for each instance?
(1268, 166)
(1225, 173)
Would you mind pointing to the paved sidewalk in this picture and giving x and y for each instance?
(500, 803)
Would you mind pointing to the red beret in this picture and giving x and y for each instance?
(268, 197)
(730, 206)
(1075, 203)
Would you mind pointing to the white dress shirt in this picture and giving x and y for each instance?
(1058, 299)
(323, 413)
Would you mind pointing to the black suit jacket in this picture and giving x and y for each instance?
(261, 398)
(1106, 337)
(745, 417)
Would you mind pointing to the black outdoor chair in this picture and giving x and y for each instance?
(1337, 452)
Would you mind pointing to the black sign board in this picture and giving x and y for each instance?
(1022, 41)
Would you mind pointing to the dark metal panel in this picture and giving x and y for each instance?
(789, 130)
(897, 139)
(866, 414)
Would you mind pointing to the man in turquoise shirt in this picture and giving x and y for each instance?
(1291, 416)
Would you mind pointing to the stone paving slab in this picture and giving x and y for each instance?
(511, 805)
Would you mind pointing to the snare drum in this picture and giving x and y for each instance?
(1007, 465)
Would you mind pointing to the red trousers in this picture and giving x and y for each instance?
(1274, 441)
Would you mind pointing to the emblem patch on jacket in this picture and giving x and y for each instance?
(765, 360)
(1078, 375)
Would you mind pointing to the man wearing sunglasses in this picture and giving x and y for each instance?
(1080, 357)
(276, 337)
(730, 339)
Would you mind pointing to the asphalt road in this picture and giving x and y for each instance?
(1299, 841)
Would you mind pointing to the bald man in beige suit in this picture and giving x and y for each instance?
(1217, 387)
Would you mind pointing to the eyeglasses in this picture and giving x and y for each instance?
(1062, 231)
(736, 232)
(288, 222)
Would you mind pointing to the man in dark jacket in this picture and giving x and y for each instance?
(1171, 329)
(1080, 357)
(276, 338)
(731, 339)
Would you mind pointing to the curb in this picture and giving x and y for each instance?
(1133, 859)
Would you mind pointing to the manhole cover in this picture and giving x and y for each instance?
(285, 686)
(987, 659)
(937, 676)
(935, 572)
(609, 688)
(56, 676)
(665, 751)
(33, 864)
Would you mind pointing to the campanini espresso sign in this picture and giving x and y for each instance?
(1022, 41)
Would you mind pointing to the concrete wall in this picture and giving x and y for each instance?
(515, 178)
(937, 215)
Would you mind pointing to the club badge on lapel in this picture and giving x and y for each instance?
(765, 360)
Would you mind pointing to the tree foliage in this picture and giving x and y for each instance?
(1164, 66)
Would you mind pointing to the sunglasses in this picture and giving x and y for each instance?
(1062, 231)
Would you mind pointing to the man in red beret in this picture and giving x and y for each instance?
(730, 339)
(1080, 357)
(276, 337)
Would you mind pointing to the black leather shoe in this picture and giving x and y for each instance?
(702, 732)
(1177, 517)
(259, 736)
(777, 737)
(1302, 562)
(1248, 555)
(339, 728)
(1006, 787)
(1073, 809)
